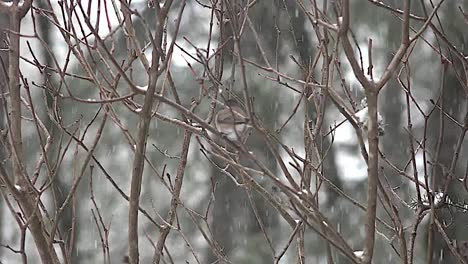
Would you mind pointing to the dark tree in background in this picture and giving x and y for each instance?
(448, 127)
(113, 150)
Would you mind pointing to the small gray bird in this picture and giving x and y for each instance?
(233, 121)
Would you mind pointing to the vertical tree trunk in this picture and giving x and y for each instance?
(4, 24)
(22, 191)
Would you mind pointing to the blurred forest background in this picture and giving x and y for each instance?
(82, 169)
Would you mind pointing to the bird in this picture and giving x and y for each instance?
(232, 121)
